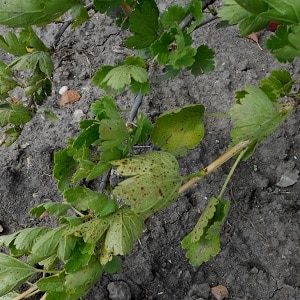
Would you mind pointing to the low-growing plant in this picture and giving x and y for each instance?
(95, 227)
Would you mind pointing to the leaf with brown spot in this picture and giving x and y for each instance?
(69, 97)
(154, 182)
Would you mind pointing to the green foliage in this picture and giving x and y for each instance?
(143, 23)
(203, 241)
(14, 113)
(256, 116)
(179, 130)
(249, 19)
(153, 183)
(132, 73)
(278, 84)
(285, 44)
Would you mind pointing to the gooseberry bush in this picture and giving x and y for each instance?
(96, 227)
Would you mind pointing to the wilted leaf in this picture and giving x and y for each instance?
(203, 241)
(254, 37)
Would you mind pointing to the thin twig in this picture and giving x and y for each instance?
(65, 25)
(30, 292)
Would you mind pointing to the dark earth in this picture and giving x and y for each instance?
(260, 241)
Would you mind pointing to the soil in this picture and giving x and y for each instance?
(260, 249)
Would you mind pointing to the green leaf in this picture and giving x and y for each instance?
(33, 60)
(140, 87)
(100, 75)
(83, 198)
(105, 109)
(184, 58)
(64, 167)
(154, 181)
(113, 133)
(118, 77)
(80, 14)
(285, 44)
(12, 44)
(85, 167)
(7, 81)
(54, 283)
(179, 130)
(66, 246)
(26, 238)
(14, 113)
(54, 208)
(125, 227)
(143, 23)
(46, 245)
(106, 5)
(204, 61)
(91, 231)
(256, 117)
(195, 8)
(98, 170)
(283, 11)
(142, 130)
(183, 55)
(79, 259)
(113, 266)
(15, 13)
(13, 273)
(173, 16)
(203, 241)
(11, 135)
(161, 47)
(277, 85)
(31, 40)
(256, 7)
(235, 14)
(80, 282)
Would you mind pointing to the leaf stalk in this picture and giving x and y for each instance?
(214, 165)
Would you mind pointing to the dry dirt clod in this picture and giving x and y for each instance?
(220, 292)
(69, 96)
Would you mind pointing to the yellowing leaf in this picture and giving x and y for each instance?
(125, 227)
(154, 181)
(179, 130)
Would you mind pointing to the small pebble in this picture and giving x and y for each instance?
(63, 89)
(119, 290)
(220, 292)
